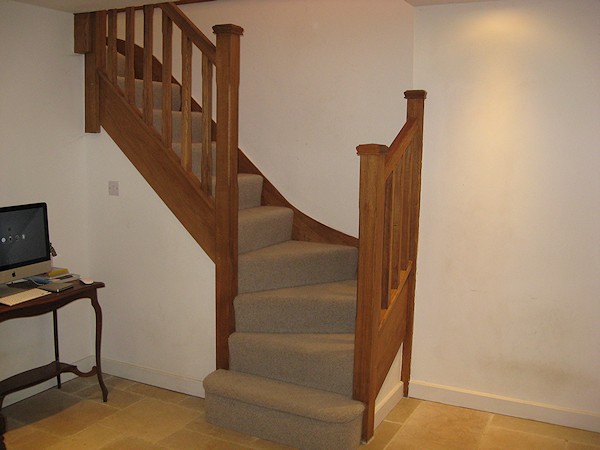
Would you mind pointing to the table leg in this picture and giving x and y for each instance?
(2, 430)
(56, 354)
(98, 311)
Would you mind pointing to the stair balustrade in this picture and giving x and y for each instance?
(390, 186)
(210, 217)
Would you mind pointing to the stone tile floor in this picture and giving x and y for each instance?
(142, 417)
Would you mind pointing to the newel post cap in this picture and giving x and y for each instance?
(415, 94)
(228, 28)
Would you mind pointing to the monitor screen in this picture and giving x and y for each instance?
(24, 241)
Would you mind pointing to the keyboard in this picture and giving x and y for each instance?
(23, 296)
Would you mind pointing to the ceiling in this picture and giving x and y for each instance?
(76, 6)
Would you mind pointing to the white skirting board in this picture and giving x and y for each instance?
(585, 420)
(165, 380)
(385, 405)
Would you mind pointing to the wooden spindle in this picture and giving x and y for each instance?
(147, 72)
(130, 55)
(186, 102)
(206, 161)
(167, 70)
(111, 53)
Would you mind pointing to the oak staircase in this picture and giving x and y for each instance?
(309, 320)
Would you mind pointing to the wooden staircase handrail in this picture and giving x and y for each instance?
(189, 28)
(389, 202)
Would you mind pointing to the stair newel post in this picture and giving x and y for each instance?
(226, 191)
(415, 110)
(90, 40)
(370, 276)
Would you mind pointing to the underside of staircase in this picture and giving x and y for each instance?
(308, 321)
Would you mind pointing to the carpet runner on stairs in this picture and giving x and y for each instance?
(291, 357)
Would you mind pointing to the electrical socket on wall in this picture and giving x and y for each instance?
(113, 188)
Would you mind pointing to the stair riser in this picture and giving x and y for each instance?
(278, 271)
(277, 426)
(261, 227)
(176, 125)
(324, 362)
(156, 94)
(294, 316)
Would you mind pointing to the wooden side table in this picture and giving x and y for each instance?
(43, 305)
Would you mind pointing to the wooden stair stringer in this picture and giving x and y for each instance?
(179, 190)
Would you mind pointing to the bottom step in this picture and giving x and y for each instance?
(286, 413)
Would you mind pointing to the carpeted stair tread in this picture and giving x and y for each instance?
(156, 93)
(263, 226)
(297, 416)
(291, 398)
(295, 263)
(316, 308)
(320, 361)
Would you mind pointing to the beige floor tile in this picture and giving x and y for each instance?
(403, 410)
(383, 435)
(200, 425)
(93, 437)
(131, 443)
(113, 382)
(40, 406)
(546, 429)
(152, 391)
(150, 419)
(501, 439)
(28, 438)
(75, 418)
(446, 426)
(116, 397)
(192, 402)
(191, 440)
(79, 383)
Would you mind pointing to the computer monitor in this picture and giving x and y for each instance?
(24, 242)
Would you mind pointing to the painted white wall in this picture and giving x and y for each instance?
(159, 298)
(317, 79)
(507, 299)
(42, 160)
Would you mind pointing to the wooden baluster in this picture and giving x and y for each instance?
(370, 270)
(226, 192)
(186, 102)
(415, 110)
(148, 47)
(130, 55)
(395, 264)
(388, 230)
(406, 170)
(206, 161)
(167, 70)
(111, 63)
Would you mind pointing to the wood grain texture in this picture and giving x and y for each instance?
(390, 185)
